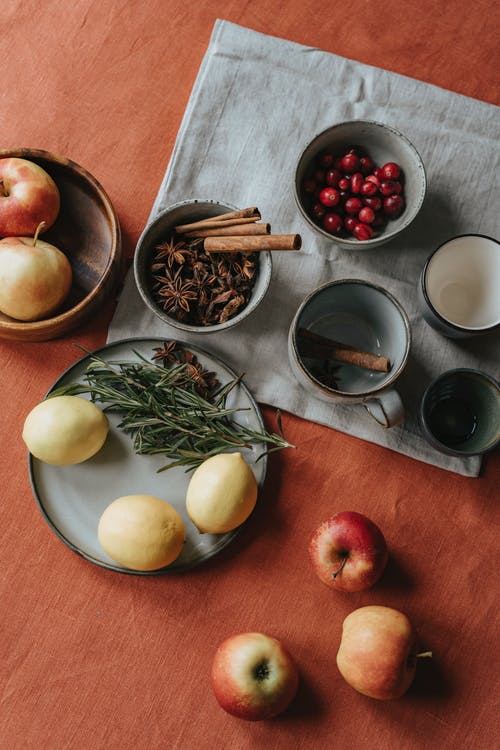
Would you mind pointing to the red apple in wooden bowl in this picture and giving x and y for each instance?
(348, 552)
(87, 231)
(28, 197)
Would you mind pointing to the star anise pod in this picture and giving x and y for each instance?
(171, 252)
(178, 295)
(166, 353)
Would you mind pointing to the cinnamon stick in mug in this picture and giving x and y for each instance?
(325, 348)
(249, 244)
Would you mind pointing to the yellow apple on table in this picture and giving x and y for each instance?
(378, 652)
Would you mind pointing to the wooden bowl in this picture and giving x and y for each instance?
(88, 232)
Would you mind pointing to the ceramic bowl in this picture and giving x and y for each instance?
(158, 230)
(88, 232)
(383, 144)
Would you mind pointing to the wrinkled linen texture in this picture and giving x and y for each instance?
(256, 103)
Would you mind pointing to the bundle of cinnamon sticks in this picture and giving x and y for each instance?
(238, 232)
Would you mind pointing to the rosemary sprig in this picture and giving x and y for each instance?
(163, 412)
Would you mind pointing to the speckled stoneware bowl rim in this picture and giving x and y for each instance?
(387, 236)
(394, 375)
(445, 321)
(265, 268)
(115, 232)
(432, 439)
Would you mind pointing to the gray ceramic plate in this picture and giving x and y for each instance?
(72, 498)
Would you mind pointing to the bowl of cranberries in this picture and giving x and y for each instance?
(360, 183)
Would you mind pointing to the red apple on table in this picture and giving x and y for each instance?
(378, 652)
(28, 196)
(253, 676)
(348, 552)
(35, 277)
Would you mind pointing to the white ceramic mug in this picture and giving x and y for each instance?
(459, 290)
(367, 317)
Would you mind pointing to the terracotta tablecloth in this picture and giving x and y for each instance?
(92, 659)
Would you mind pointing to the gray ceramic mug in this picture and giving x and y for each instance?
(460, 412)
(459, 289)
(369, 320)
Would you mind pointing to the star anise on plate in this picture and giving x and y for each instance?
(172, 353)
(166, 353)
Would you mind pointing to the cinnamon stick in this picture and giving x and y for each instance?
(215, 222)
(249, 244)
(325, 348)
(236, 230)
(242, 213)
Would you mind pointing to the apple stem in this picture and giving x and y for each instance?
(424, 655)
(2, 190)
(38, 230)
(339, 570)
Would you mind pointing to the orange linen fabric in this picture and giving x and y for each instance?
(94, 660)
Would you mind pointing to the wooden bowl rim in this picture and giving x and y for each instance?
(40, 325)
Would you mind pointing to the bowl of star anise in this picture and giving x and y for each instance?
(202, 266)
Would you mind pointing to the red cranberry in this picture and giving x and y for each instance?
(353, 205)
(366, 215)
(318, 210)
(344, 183)
(378, 173)
(349, 223)
(309, 186)
(391, 170)
(393, 206)
(337, 163)
(366, 165)
(332, 223)
(356, 182)
(344, 195)
(350, 163)
(332, 177)
(373, 178)
(398, 188)
(387, 187)
(368, 188)
(329, 196)
(373, 201)
(363, 232)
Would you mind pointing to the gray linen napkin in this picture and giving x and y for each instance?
(256, 103)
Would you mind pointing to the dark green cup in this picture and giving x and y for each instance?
(460, 413)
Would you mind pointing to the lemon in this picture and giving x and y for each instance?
(221, 493)
(141, 532)
(65, 430)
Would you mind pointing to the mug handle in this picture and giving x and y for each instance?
(386, 408)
